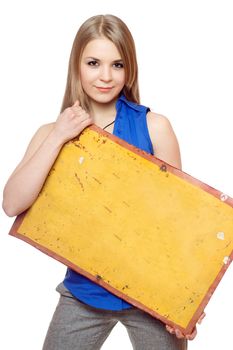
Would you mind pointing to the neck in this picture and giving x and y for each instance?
(103, 113)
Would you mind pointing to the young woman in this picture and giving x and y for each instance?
(102, 88)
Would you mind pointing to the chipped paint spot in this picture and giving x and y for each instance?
(226, 260)
(223, 197)
(81, 160)
(221, 235)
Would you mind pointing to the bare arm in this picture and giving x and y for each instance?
(164, 140)
(25, 183)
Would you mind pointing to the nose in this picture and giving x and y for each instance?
(105, 74)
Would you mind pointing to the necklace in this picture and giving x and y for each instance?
(109, 124)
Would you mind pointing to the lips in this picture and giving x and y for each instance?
(103, 89)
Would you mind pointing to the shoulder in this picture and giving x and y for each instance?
(40, 135)
(157, 122)
(163, 138)
(36, 140)
(44, 130)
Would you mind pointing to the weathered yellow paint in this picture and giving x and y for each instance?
(148, 233)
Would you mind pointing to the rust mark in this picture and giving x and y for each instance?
(78, 145)
(108, 209)
(83, 148)
(117, 237)
(125, 287)
(227, 245)
(96, 180)
(100, 139)
(131, 155)
(79, 181)
(118, 177)
(97, 139)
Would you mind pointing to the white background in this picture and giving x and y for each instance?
(185, 58)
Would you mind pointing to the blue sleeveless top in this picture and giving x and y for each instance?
(131, 126)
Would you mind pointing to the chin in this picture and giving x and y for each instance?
(104, 98)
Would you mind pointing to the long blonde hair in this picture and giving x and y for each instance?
(114, 29)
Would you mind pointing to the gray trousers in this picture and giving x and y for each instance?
(77, 326)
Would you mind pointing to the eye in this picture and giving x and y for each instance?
(118, 65)
(93, 63)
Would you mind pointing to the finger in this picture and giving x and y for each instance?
(87, 121)
(83, 117)
(178, 333)
(76, 104)
(192, 335)
(201, 318)
(170, 329)
(78, 111)
(76, 107)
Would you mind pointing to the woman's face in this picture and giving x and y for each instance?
(102, 72)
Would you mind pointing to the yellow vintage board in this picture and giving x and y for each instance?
(146, 231)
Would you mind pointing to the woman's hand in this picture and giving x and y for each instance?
(22, 189)
(180, 335)
(71, 122)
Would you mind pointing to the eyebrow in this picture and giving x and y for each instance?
(97, 59)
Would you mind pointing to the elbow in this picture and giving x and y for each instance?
(8, 209)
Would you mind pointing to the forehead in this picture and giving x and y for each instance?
(101, 48)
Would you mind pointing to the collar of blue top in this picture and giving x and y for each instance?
(135, 106)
